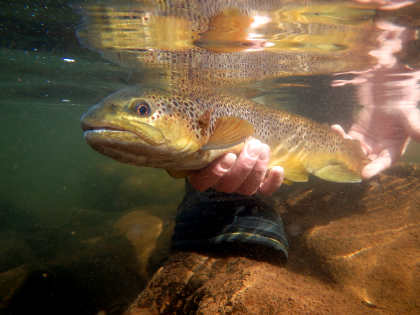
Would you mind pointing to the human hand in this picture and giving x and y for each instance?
(389, 4)
(384, 135)
(245, 174)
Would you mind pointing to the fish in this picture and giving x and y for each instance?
(184, 130)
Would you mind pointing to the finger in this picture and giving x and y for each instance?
(412, 124)
(365, 142)
(256, 177)
(242, 167)
(405, 145)
(396, 5)
(376, 166)
(272, 181)
(384, 160)
(340, 131)
(209, 176)
(357, 80)
(352, 135)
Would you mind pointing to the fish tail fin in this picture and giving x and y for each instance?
(338, 173)
(343, 166)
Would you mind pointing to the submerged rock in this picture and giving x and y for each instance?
(15, 250)
(99, 275)
(375, 251)
(10, 281)
(191, 283)
(354, 250)
(142, 230)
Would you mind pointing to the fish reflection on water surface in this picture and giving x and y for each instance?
(230, 42)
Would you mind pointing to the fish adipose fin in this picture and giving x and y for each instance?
(228, 131)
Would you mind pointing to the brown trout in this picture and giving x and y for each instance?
(185, 131)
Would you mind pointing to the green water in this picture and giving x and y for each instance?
(59, 200)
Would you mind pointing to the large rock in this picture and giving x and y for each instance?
(375, 250)
(354, 250)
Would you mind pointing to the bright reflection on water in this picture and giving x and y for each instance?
(75, 223)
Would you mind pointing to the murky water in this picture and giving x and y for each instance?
(75, 223)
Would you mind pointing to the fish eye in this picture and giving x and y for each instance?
(141, 108)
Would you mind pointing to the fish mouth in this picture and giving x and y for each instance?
(144, 134)
(128, 147)
(122, 145)
(87, 128)
(104, 131)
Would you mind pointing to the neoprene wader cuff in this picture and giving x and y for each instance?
(210, 218)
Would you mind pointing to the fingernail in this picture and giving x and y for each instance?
(264, 152)
(253, 148)
(279, 169)
(228, 161)
(370, 171)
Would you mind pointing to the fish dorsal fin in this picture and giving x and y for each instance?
(227, 32)
(228, 131)
(338, 173)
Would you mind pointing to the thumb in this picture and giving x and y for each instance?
(412, 124)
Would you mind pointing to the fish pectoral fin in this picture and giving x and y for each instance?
(338, 173)
(228, 131)
(179, 173)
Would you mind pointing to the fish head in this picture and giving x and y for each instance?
(143, 127)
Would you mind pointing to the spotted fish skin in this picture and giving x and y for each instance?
(185, 130)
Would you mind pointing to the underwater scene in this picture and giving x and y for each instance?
(118, 118)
